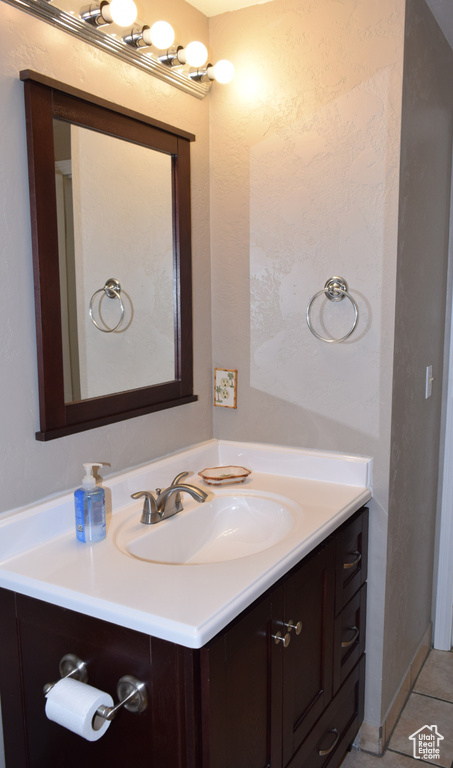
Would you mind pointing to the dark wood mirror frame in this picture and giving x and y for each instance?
(46, 99)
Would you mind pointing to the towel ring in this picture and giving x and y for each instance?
(335, 289)
(111, 289)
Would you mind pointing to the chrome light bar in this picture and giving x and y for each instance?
(75, 26)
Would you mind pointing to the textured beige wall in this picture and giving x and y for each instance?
(30, 470)
(427, 137)
(304, 185)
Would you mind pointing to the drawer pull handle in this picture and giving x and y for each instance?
(297, 627)
(355, 562)
(347, 643)
(285, 639)
(324, 752)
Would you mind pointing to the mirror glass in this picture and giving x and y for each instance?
(111, 233)
(114, 213)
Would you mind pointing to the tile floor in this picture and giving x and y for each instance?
(429, 704)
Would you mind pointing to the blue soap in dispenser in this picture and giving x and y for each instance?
(89, 501)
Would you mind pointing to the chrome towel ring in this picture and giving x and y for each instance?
(111, 289)
(335, 289)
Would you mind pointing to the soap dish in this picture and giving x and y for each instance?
(224, 475)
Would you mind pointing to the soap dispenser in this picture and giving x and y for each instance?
(89, 501)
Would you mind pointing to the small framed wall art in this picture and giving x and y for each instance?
(225, 387)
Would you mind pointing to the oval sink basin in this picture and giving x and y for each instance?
(226, 528)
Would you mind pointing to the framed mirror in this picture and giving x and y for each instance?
(111, 234)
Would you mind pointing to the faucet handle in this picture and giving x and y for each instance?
(179, 477)
(150, 509)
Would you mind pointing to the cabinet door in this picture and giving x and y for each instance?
(327, 743)
(307, 660)
(237, 693)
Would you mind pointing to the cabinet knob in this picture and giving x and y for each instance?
(284, 639)
(297, 627)
(324, 752)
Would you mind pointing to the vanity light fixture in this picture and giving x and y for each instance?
(183, 67)
(161, 35)
(222, 72)
(120, 12)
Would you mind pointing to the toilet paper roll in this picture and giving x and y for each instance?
(73, 705)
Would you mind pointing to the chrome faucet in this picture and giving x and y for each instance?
(167, 502)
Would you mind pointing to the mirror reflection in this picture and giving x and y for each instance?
(114, 215)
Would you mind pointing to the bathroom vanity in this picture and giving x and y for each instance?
(250, 662)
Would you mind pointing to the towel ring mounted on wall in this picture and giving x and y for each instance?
(111, 289)
(335, 289)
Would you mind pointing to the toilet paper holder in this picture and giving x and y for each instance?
(130, 691)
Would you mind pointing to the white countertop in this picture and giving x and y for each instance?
(187, 604)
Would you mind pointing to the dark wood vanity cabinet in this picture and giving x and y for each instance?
(281, 686)
(255, 711)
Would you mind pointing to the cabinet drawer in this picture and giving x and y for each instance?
(337, 727)
(349, 637)
(351, 559)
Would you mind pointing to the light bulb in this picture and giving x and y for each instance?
(161, 35)
(196, 54)
(122, 12)
(223, 71)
